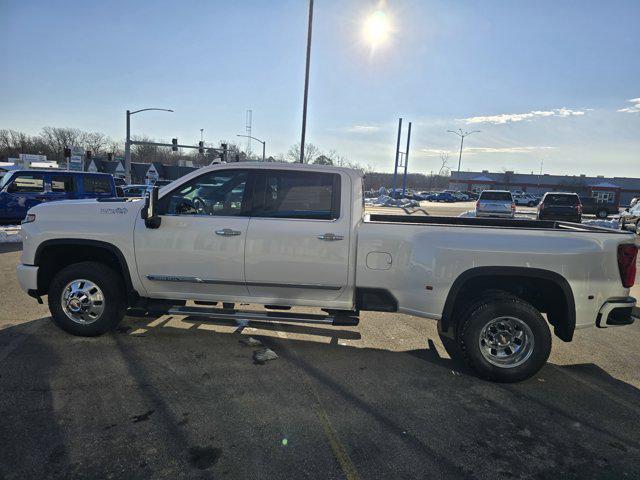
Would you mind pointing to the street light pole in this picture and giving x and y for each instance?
(462, 134)
(127, 143)
(306, 83)
(263, 142)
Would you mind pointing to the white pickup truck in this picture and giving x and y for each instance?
(283, 235)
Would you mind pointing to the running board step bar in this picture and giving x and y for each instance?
(221, 313)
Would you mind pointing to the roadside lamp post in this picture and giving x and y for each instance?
(263, 142)
(461, 134)
(127, 143)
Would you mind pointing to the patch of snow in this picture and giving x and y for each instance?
(469, 213)
(10, 234)
(612, 224)
(387, 201)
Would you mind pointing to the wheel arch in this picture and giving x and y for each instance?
(548, 291)
(53, 255)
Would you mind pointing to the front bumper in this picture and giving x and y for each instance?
(616, 312)
(28, 277)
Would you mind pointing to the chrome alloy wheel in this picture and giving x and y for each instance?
(82, 301)
(506, 342)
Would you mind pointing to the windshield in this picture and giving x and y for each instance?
(571, 200)
(502, 196)
(5, 179)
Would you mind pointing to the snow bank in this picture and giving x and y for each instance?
(387, 201)
(10, 234)
(612, 224)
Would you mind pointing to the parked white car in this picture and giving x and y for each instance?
(525, 200)
(495, 203)
(283, 235)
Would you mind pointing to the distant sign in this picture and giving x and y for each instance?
(152, 175)
(76, 161)
(26, 159)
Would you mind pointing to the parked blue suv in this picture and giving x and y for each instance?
(22, 189)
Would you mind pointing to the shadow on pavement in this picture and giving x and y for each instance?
(168, 401)
(10, 247)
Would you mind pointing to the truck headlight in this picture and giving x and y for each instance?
(31, 217)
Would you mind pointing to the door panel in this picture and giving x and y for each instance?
(198, 250)
(185, 256)
(297, 258)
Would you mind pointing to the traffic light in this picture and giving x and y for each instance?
(67, 152)
(174, 143)
(224, 152)
(88, 154)
(200, 146)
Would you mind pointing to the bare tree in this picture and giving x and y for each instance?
(95, 141)
(444, 164)
(57, 139)
(311, 152)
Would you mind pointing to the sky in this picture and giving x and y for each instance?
(552, 83)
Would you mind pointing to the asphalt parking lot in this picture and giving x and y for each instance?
(174, 397)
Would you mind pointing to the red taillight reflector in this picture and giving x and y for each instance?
(627, 254)
(541, 206)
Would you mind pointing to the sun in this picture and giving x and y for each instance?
(376, 28)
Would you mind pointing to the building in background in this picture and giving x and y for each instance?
(614, 190)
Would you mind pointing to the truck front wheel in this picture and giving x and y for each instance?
(87, 299)
(504, 339)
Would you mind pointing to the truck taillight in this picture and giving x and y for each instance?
(627, 254)
(541, 206)
(477, 203)
(513, 207)
(579, 209)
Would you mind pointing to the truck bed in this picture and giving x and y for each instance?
(487, 222)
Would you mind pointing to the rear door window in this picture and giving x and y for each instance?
(496, 196)
(571, 200)
(96, 184)
(62, 184)
(304, 195)
(27, 183)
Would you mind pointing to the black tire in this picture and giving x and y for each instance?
(602, 214)
(111, 286)
(487, 310)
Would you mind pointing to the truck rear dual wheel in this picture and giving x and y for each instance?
(87, 299)
(502, 338)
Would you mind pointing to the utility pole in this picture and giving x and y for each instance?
(462, 134)
(406, 161)
(395, 168)
(127, 143)
(306, 83)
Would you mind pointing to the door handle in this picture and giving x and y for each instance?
(330, 237)
(227, 232)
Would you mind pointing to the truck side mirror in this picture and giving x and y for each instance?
(119, 192)
(150, 209)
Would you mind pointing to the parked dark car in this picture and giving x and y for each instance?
(591, 206)
(443, 197)
(560, 206)
(22, 189)
(120, 182)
